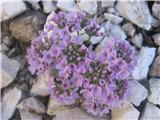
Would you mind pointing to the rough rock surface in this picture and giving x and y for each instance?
(156, 9)
(25, 115)
(145, 58)
(156, 38)
(137, 40)
(155, 69)
(11, 9)
(154, 97)
(9, 103)
(127, 112)
(151, 112)
(138, 93)
(108, 3)
(27, 26)
(48, 6)
(137, 12)
(113, 18)
(40, 88)
(32, 104)
(129, 29)
(9, 69)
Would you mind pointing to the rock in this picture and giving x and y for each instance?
(126, 112)
(12, 9)
(54, 107)
(74, 114)
(138, 93)
(113, 30)
(156, 38)
(9, 103)
(40, 88)
(113, 18)
(158, 51)
(32, 104)
(7, 41)
(69, 5)
(129, 29)
(89, 6)
(48, 6)
(4, 48)
(135, 11)
(137, 40)
(108, 3)
(9, 69)
(25, 115)
(34, 4)
(145, 58)
(155, 69)
(156, 9)
(154, 97)
(151, 112)
(27, 26)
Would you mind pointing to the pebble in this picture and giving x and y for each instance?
(129, 29)
(156, 9)
(27, 26)
(156, 38)
(138, 93)
(69, 5)
(9, 103)
(137, 40)
(34, 4)
(10, 9)
(145, 58)
(108, 3)
(25, 115)
(151, 112)
(9, 69)
(4, 48)
(126, 112)
(137, 12)
(32, 104)
(89, 6)
(40, 88)
(154, 97)
(7, 41)
(48, 6)
(155, 69)
(113, 18)
(158, 51)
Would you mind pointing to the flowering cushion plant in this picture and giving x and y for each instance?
(97, 82)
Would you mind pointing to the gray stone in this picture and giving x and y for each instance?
(155, 69)
(154, 97)
(25, 115)
(158, 51)
(129, 29)
(89, 6)
(108, 3)
(137, 40)
(11, 9)
(145, 58)
(138, 93)
(156, 9)
(113, 18)
(48, 6)
(7, 41)
(156, 38)
(34, 4)
(9, 69)
(151, 112)
(126, 112)
(27, 26)
(9, 103)
(135, 11)
(32, 104)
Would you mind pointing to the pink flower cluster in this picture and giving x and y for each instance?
(97, 82)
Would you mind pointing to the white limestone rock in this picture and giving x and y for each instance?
(155, 68)
(156, 38)
(48, 6)
(9, 103)
(154, 97)
(69, 5)
(138, 93)
(108, 3)
(129, 29)
(137, 12)
(113, 18)
(34, 4)
(126, 112)
(9, 69)
(145, 58)
(89, 6)
(151, 112)
(40, 88)
(32, 104)
(156, 9)
(11, 9)
(137, 40)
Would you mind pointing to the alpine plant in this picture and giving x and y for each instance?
(96, 82)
